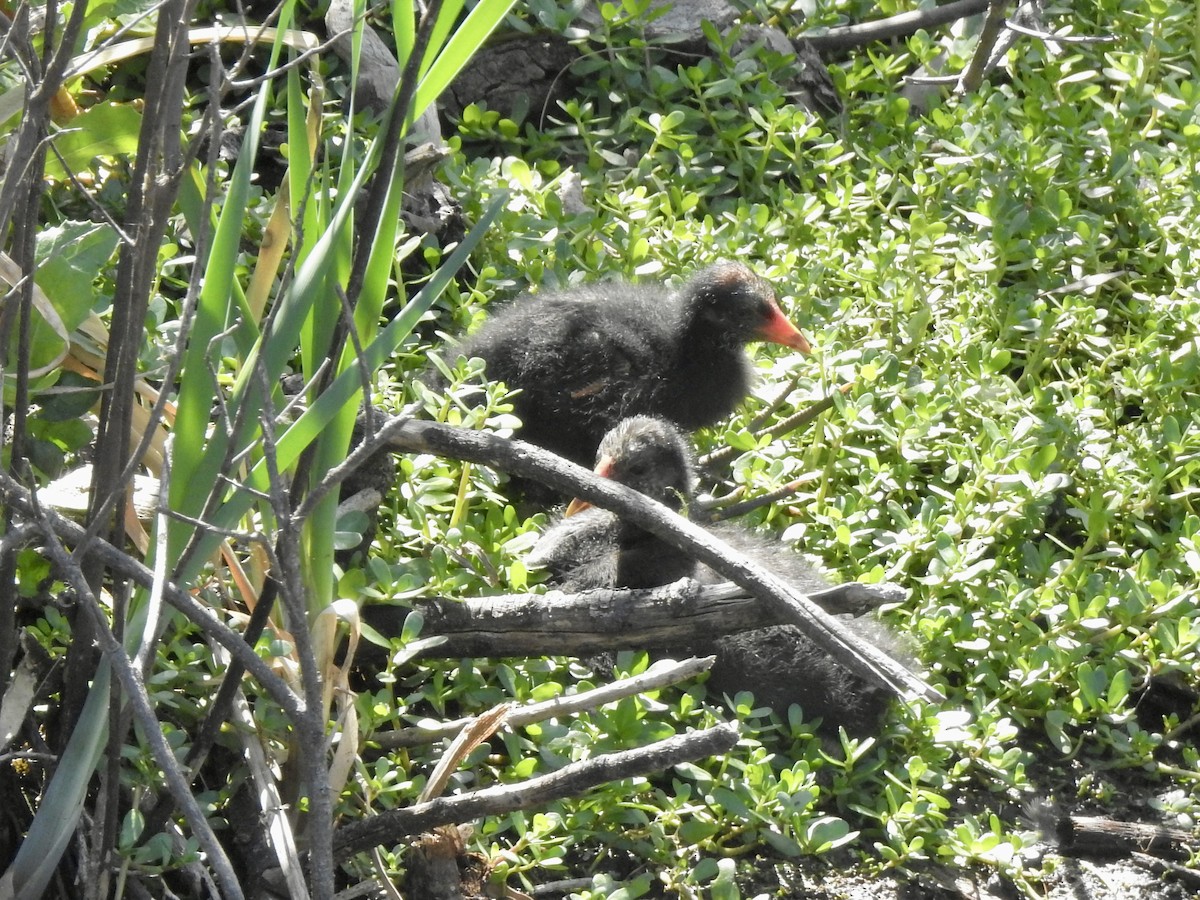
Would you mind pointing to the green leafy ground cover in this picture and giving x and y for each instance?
(1007, 285)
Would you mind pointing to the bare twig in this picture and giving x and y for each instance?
(1059, 38)
(395, 825)
(764, 415)
(311, 745)
(266, 792)
(993, 28)
(716, 513)
(847, 37)
(134, 689)
(661, 674)
(219, 710)
(779, 429)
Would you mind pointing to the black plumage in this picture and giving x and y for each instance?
(592, 547)
(586, 358)
(778, 664)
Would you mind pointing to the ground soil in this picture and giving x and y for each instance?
(1070, 879)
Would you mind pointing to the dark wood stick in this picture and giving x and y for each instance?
(393, 826)
(1099, 836)
(1189, 877)
(847, 37)
(993, 28)
(673, 617)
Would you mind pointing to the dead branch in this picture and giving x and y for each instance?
(661, 674)
(528, 461)
(847, 37)
(779, 429)
(673, 617)
(395, 825)
(1099, 836)
(993, 28)
(1189, 877)
(142, 709)
(717, 513)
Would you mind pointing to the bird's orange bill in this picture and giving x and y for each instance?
(779, 330)
(604, 469)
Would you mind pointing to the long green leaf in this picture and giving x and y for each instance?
(447, 16)
(197, 454)
(320, 530)
(62, 801)
(343, 389)
(469, 37)
(404, 28)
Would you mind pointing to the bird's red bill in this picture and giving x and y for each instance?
(779, 330)
(604, 469)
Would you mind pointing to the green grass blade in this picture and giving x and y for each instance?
(344, 388)
(62, 802)
(447, 16)
(480, 22)
(404, 28)
(197, 455)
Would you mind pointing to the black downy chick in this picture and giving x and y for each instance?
(586, 358)
(592, 548)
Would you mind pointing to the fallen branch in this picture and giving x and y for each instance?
(982, 59)
(847, 37)
(393, 826)
(659, 675)
(528, 461)
(673, 617)
(778, 430)
(1160, 867)
(1099, 836)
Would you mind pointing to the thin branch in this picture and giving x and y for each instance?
(716, 513)
(395, 825)
(847, 37)
(778, 430)
(1059, 38)
(659, 675)
(274, 813)
(993, 28)
(312, 747)
(764, 415)
(221, 706)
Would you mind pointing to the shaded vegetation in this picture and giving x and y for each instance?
(1005, 283)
